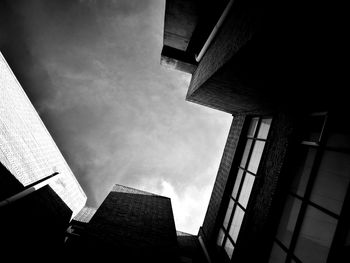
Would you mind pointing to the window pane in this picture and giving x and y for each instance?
(220, 238)
(229, 248)
(236, 223)
(315, 236)
(303, 168)
(228, 213)
(246, 153)
(264, 128)
(237, 183)
(288, 220)
(339, 140)
(252, 126)
(332, 181)
(277, 254)
(246, 189)
(256, 156)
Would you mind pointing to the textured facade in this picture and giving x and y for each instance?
(26, 148)
(85, 214)
(134, 224)
(222, 177)
(269, 61)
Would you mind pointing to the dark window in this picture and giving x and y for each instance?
(246, 173)
(313, 207)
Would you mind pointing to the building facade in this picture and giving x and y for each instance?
(27, 149)
(131, 224)
(282, 190)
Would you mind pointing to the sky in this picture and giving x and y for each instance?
(92, 70)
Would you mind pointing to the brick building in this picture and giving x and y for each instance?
(282, 190)
(38, 192)
(27, 149)
(131, 224)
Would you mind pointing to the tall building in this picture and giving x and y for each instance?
(131, 225)
(26, 148)
(282, 189)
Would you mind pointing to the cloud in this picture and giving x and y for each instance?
(91, 69)
(186, 203)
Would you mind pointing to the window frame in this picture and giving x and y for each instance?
(245, 171)
(305, 199)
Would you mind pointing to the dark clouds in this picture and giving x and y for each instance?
(91, 69)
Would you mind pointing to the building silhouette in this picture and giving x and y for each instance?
(42, 210)
(38, 192)
(282, 189)
(137, 224)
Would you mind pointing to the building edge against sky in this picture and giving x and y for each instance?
(282, 191)
(27, 149)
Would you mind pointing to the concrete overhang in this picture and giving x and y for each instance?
(263, 58)
(187, 24)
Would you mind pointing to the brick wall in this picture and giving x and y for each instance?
(235, 32)
(256, 232)
(222, 178)
(133, 224)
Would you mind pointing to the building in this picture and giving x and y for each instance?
(130, 224)
(38, 192)
(42, 209)
(282, 190)
(27, 150)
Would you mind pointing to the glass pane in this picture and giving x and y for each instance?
(228, 213)
(256, 156)
(246, 189)
(304, 164)
(288, 220)
(246, 153)
(236, 223)
(264, 128)
(339, 140)
(277, 254)
(313, 126)
(332, 181)
(229, 248)
(237, 183)
(315, 236)
(347, 240)
(220, 237)
(252, 126)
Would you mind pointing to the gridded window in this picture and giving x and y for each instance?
(313, 207)
(246, 173)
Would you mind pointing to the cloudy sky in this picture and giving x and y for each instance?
(91, 69)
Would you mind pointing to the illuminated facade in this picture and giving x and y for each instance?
(26, 148)
(85, 214)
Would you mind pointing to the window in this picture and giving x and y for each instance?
(313, 207)
(244, 182)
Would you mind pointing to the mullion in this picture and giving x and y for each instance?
(287, 251)
(324, 210)
(304, 204)
(247, 171)
(227, 235)
(248, 159)
(307, 194)
(256, 138)
(234, 206)
(238, 203)
(241, 206)
(230, 238)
